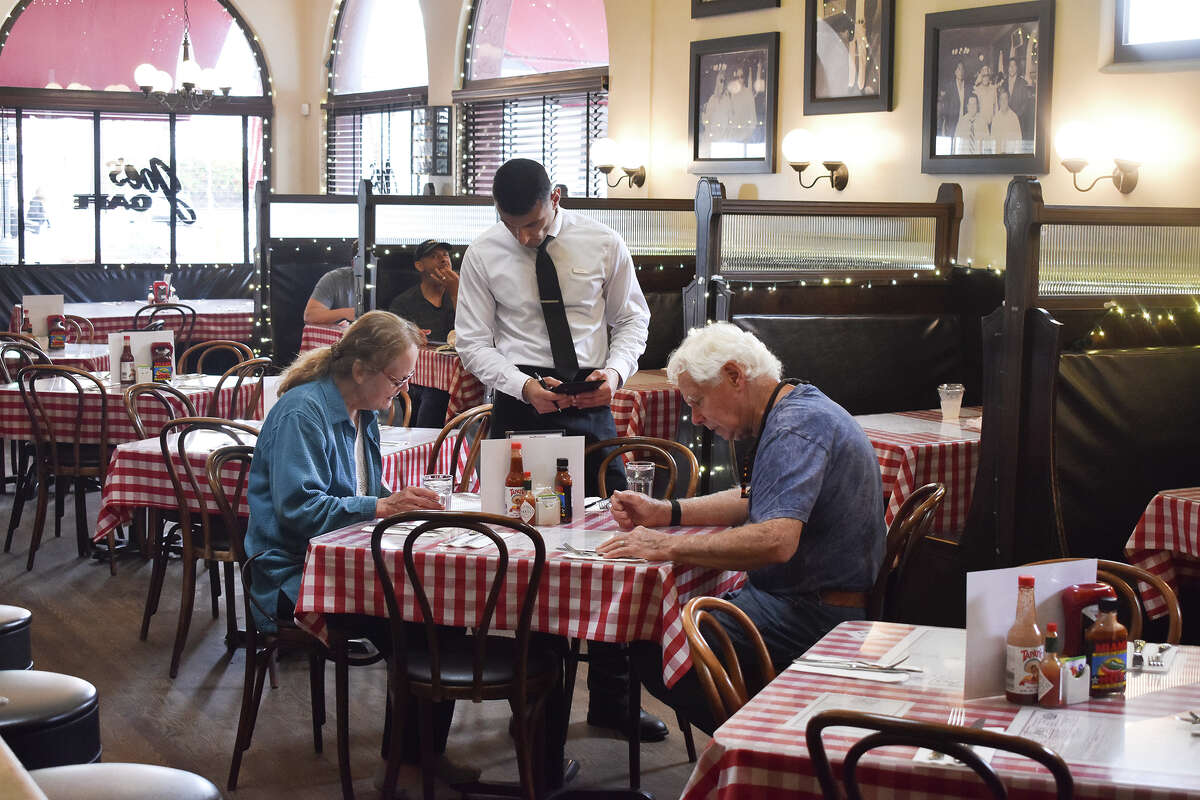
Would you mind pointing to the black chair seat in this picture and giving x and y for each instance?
(458, 659)
(122, 782)
(50, 719)
(15, 648)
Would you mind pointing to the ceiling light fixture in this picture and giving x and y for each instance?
(197, 87)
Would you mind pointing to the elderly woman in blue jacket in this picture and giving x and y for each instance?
(317, 465)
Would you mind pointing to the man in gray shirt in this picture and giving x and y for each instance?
(333, 298)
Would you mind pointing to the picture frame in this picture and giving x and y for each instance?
(975, 121)
(848, 56)
(733, 92)
(711, 8)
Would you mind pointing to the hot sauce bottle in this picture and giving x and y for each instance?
(514, 483)
(562, 488)
(56, 332)
(1050, 688)
(127, 372)
(1024, 648)
(527, 509)
(1106, 643)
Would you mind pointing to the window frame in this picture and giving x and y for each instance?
(1123, 53)
(22, 100)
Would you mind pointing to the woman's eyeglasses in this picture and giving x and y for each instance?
(400, 383)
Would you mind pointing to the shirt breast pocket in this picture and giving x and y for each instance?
(581, 284)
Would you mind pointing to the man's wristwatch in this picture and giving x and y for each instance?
(676, 512)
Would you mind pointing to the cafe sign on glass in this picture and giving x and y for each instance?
(158, 177)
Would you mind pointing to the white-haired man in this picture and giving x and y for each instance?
(806, 523)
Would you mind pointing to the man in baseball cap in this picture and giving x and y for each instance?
(430, 306)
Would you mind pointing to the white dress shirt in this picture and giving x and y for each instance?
(499, 321)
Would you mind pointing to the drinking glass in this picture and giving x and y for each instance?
(951, 395)
(442, 485)
(640, 476)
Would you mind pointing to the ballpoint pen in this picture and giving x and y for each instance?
(541, 382)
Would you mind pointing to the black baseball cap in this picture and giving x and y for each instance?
(428, 246)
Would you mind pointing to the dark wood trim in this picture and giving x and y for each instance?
(836, 277)
(1117, 215)
(172, 224)
(96, 182)
(20, 191)
(121, 102)
(314, 198)
(849, 103)
(627, 204)
(589, 79)
(1130, 302)
(246, 188)
(366, 233)
(814, 208)
(364, 101)
(429, 200)
(711, 8)
(1123, 53)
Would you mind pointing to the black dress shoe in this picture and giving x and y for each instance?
(650, 727)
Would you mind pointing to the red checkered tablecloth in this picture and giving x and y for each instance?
(1166, 542)
(647, 405)
(915, 448)
(314, 336)
(85, 356)
(595, 600)
(215, 319)
(137, 478)
(760, 752)
(62, 406)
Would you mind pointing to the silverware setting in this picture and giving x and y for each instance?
(579, 551)
(1192, 718)
(850, 663)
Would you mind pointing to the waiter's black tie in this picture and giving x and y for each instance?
(562, 345)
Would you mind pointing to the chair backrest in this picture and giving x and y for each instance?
(402, 404)
(663, 452)
(86, 330)
(51, 431)
(159, 392)
(911, 524)
(15, 354)
(14, 336)
(239, 407)
(721, 676)
(952, 740)
(527, 588)
(173, 440)
(161, 312)
(471, 427)
(238, 351)
(231, 461)
(1124, 579)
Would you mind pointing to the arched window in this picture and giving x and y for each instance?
(537, 87)
(94, 170)
(377, 125)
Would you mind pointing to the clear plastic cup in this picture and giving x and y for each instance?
(951, 395)
(442, 485)
(640, 476)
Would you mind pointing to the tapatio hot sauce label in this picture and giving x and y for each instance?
(1021, 670)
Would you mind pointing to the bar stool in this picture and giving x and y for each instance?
(16, 652)
(122, 782)
(50, 719)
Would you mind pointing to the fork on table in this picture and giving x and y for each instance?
(1156, 660)
(957, 716)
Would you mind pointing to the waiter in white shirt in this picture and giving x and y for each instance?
(547, 296)
(539, 294)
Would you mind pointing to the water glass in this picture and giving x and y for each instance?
(442, 486)
(951, 395)
(640, 476)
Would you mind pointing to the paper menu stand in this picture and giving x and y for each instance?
(139, 343)
(40, 306)
(270, 391)
(539, 454)
(991, 601)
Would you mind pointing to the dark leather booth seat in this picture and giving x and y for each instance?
(15, 648)
(870, 363)
(50, 719)
(122, 782)
(1127, 425)
(666, 328)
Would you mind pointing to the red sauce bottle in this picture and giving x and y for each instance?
(1050, 685)
(128, 373)
(514, 482)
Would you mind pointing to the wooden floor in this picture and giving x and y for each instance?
(85, 623)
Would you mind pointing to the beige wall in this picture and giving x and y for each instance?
(648, 45)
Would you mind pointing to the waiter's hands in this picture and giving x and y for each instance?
(544, 400)
(631, 509)
(547, 402)
(411, 498)
(601, 396)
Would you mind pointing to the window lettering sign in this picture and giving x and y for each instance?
(158, 177)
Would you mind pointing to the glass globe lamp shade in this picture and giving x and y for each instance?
(800, 146)
(1075, 140)
(189, 72)
(163, 82)
(605, 153)
(145, 74)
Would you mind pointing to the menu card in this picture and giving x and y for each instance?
(40, 306)
(139, 343)
(539, 454)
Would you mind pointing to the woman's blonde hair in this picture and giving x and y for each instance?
(376, 338)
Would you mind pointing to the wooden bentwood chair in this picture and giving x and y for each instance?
(955, 741)
(16, 351)
(911, 524)
(470, 428)
(444, 665)
(402, 406)
(149, 315)
(1124, 579)
(225, 351)
(241, 408)
(721, 676)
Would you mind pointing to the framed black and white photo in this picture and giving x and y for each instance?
(848, 56)
(731, 114)
(987, 89)
(709, 8)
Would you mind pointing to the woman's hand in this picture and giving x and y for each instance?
(631, 509)
(411, 498)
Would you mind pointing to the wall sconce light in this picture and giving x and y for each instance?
(607, 154)
(1074, 141)
(799, 148)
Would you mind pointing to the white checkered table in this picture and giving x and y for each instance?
(596, 600)
(647, 405)
(314, 336)
(81, 355)
(760, 752)
(230, 318)
(915, 448)
(137, 477)
(1166, 542)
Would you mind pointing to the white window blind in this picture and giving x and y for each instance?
(375, 144)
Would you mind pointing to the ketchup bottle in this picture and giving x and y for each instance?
(1079, 602)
